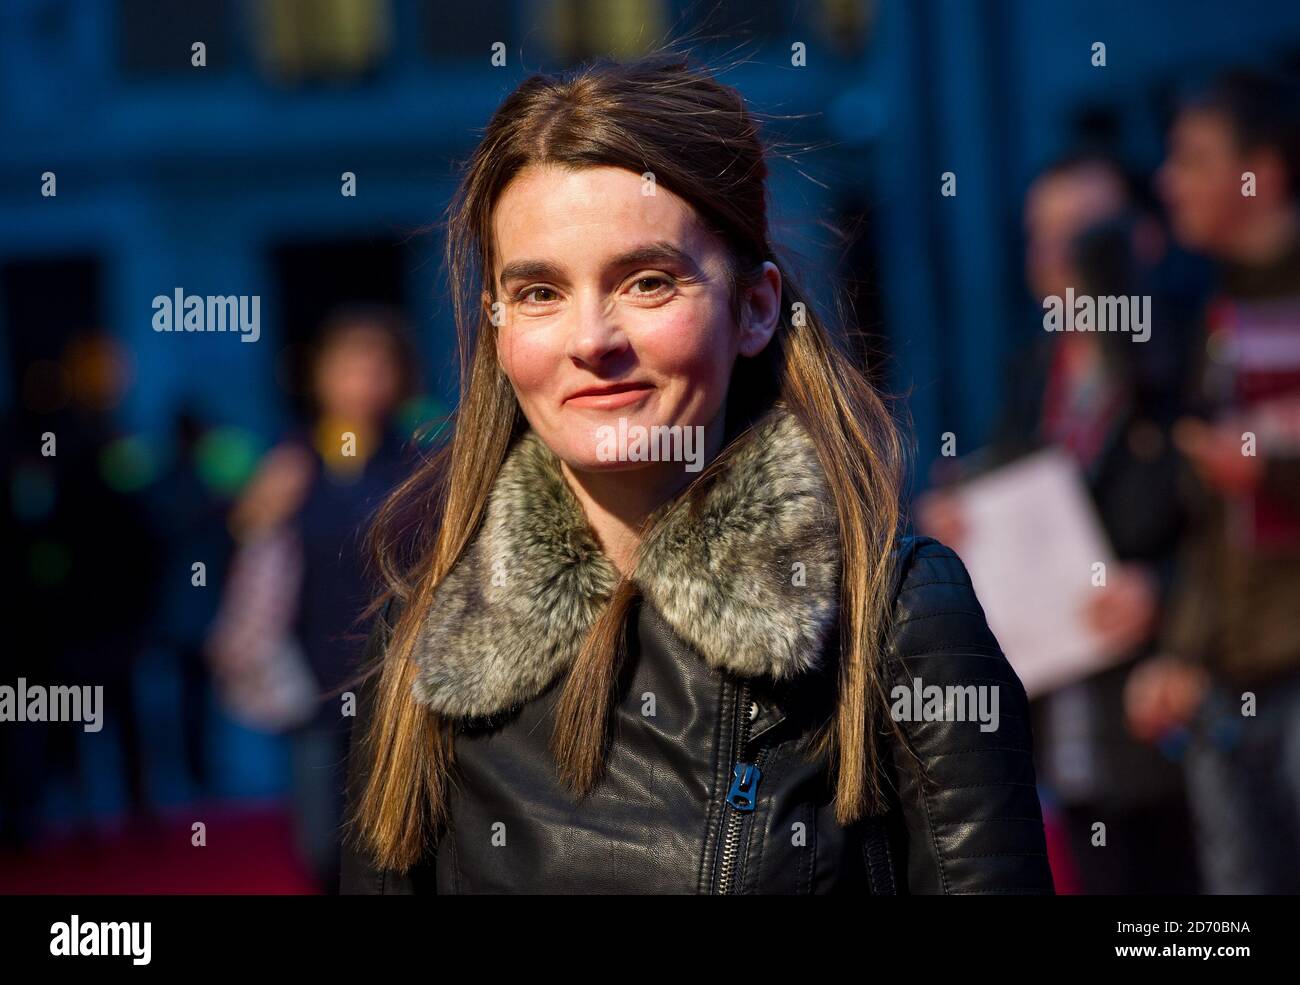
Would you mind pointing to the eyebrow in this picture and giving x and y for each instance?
(652, 254)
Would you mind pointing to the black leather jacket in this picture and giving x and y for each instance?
(710, 793)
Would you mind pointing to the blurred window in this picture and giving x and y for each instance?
(44, 303)
(739, 20)
(321, 39)
(155, 37)
(847, 24)
(468, 29)
(315, 277)
(860, 274)
(581, 29)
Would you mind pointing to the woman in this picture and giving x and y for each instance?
(605, 668)
(302, 565)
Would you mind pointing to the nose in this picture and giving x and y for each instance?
(596, 337)
(1164, 181)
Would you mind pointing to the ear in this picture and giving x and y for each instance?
(1270, 175)
(760, 311)
(498, 338)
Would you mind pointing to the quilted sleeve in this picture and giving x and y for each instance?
(973, 823)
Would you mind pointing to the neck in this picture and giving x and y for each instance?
(1265, 239)
(617, 504)
(331, 428)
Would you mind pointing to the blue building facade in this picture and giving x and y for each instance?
(226, 178)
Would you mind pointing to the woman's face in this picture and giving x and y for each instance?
(357, 377)
(614, 304)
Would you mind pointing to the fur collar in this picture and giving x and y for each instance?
(512, 614)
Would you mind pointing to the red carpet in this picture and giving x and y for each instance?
(1059, 858)
(249, 850)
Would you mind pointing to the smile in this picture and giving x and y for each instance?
(610, 397)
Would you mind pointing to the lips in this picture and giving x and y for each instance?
(611, 396)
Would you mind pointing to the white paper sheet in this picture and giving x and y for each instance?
(1031, 540)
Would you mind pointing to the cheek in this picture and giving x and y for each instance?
(528, 358)
(693, 347)
(1213, 185)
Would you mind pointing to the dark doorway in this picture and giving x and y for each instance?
(316, 278)
(867, 337)
(45, 302)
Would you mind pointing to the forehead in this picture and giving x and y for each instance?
(1074, 196)
(1204, 126)
(570, 216)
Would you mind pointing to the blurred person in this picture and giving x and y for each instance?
(189, 518)
(1231, 180)
(29, 486)
(1110, 403)
(322, 482)
(89, 559)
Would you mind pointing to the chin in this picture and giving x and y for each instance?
(1193, 235)
(588, 448)
(587, 464)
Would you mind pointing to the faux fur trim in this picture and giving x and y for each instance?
(750, 579)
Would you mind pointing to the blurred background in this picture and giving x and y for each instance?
(301, 154)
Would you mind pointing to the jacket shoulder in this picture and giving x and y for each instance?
(934, 601)
(965, 774)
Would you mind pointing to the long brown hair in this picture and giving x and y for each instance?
(663, 115)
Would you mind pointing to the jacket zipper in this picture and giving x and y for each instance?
(741, 793)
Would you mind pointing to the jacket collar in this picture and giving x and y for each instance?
(749, 581)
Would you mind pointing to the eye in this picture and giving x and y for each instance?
(527, 295)
(658, 284)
